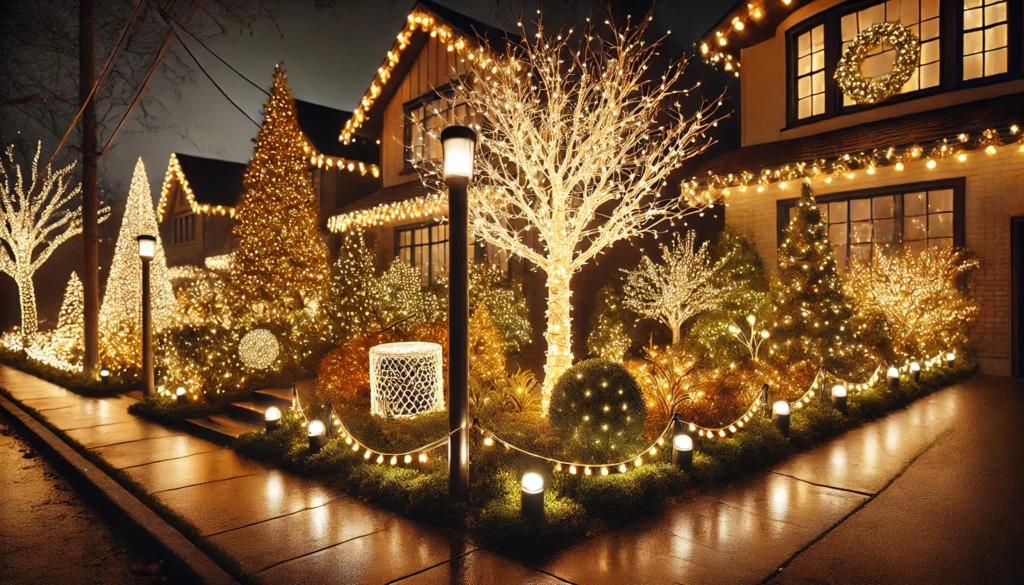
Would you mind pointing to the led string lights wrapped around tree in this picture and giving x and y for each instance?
(953, 150)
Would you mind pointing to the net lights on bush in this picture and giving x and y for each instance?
(952, 151)
(258, 349)
(406, 379)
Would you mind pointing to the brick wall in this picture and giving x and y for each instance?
(994, 194)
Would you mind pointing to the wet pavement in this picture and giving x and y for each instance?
(49, 534)
(929, 494)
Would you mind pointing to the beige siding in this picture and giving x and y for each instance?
(431, 69)
(994, 194)
(763, 90)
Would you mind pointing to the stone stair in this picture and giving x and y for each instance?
(244, 415)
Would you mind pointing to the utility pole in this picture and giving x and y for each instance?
(90, 184)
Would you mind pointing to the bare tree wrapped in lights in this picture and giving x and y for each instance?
(280, 267)
(919, 297)
(34, 220)
(680, 287)
(579, 140)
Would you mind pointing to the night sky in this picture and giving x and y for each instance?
(330, 56)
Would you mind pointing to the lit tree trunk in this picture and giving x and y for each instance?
(676, 328)
(27, 296)
(90, 185)
(559, 332)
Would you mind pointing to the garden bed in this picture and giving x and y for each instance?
(575, 505)
(116, 383)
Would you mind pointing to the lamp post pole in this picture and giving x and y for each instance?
(458, 143)
(147, 248)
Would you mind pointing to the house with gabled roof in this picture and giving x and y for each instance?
(199, 195)
(937, 161)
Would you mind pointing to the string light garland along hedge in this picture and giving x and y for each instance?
(871, 91)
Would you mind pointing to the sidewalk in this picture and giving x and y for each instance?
(286, 529)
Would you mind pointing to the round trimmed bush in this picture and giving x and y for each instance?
(598, 410)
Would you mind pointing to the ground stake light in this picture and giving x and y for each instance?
(839, 398)
(533, 498)
(105, 375)
(317, 436)
(780, 416)
(950, 358)
(915, 371)
(682, 452)
(893, 377)
(180, 395)
(272, 418)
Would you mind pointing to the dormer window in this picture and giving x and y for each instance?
(425, 117)
(963, 43)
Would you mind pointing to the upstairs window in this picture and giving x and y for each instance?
(424, 119)
(184, 229)
(986, 38)
(810, 82)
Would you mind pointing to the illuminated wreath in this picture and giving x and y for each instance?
(871, 91)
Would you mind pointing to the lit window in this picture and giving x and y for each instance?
(425, 248)
(860, 228)
(424, 121)
(810, 67)
(985, 38)
(921, 17)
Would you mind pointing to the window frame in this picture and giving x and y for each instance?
(958, 186)
(187, 228)
(398, 231)
(445, 91)
(950, 58)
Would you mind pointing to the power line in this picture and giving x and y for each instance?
(218, 57)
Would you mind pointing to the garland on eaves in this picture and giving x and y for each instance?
(714, 187)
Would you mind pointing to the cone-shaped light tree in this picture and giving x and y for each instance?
(280, 271)
(683, 285)
(810, 311)
(577, 137)
(121, 312)
(67, 339)
(35, 218)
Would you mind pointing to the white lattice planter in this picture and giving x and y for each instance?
(406, 379)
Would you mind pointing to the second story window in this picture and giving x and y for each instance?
(184, 229)
(986, 35)
(424, 120)
(810, 81)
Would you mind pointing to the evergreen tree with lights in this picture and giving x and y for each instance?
(121, 313)
(67, 339)
(350, 288)
(611, 332)
(280, 270)
(810, 310)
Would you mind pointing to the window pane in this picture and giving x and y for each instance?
(916, 247)
(930, 52)
(823, 208)
(839, 252)
(860, 209)
(860, 232)
(803, 45)
(995, 13)
(940, 200)
(885, 232)
(974, 42)
(803, 87)
(995, 37)
(883, 206)
(940, 225)
(929, 9)
(818, 104)
(837, 234)
(995, 62)
(973, 19)
(860, 253)
(941, 243)
(915, 228)
(973, 66)
(915, 203)
(837, 212)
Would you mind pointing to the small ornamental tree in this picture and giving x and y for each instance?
(350, 288)
(280, 269)
(121, 312)
(598, 410)
(505, 302)
(810, 310)
(683, 285)
(486, 347)
(68, 338)
(610, 330)
(398, 299)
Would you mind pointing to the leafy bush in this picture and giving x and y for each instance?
(344, 374)
(598, 410)
(167, 410)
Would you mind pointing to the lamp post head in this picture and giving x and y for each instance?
(458, 144)
(147, 246)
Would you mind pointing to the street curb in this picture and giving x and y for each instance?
(183, 554)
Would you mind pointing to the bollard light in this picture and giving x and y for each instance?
(682, 452)
(915, 371)
(533, 498)
(839, 398)
(950, 359)
(458, 144)
(780, 416)
(180, 395)
(892, 376)
(105, 376)
(317, 436)
(272, 418)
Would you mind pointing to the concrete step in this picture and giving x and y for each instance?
(219, 428)
(279, 397)
(250, 411)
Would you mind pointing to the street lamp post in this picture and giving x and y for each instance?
(147, 249)
(458, 143)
